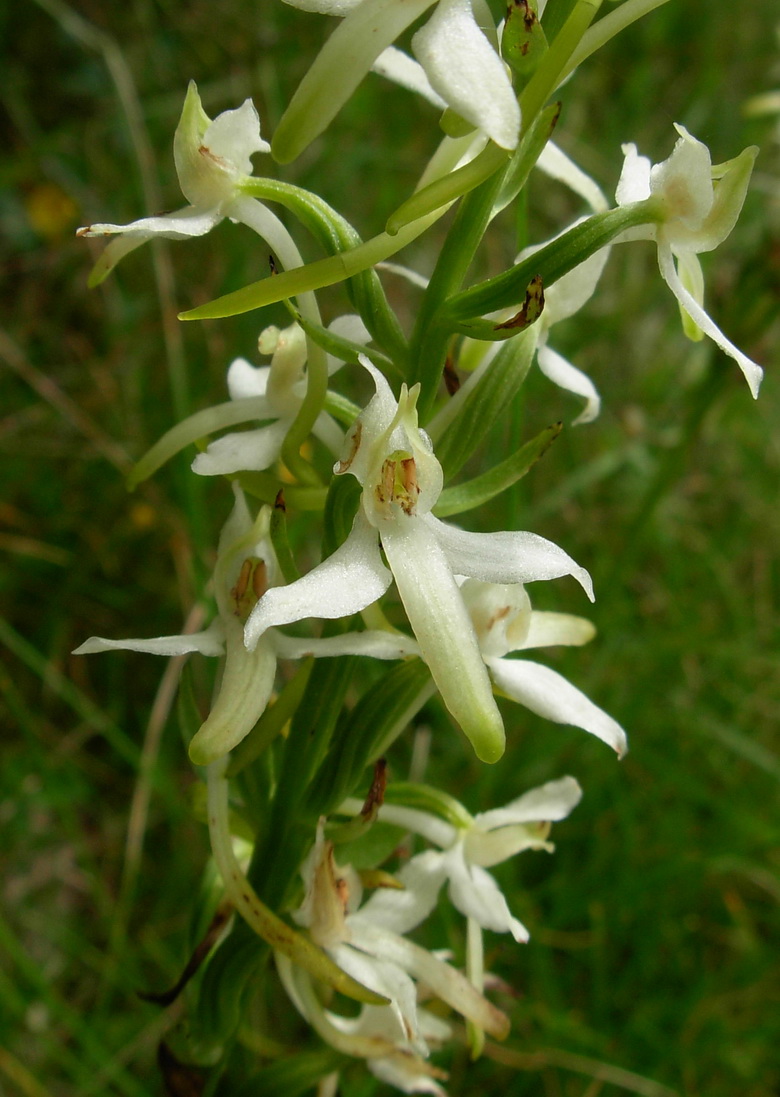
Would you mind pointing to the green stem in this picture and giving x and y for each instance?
(428, 348)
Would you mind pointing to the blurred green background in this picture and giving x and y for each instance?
(653, 965)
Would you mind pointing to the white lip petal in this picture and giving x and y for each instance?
(242, 451)
(441, 624)
(753, 373)
(209, 642)
(465, 70)
(566, 376)
(348, 581)
(505, 557)
(548, 694)
(244, 692)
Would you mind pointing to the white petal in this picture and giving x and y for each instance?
(348, 581)
(339, 67)
(546, 804)
(234, 136)
(349, 326)
(550, 629)
(373, 643)
(634, 182)
(401, 911)
(325, 7)
(477, 895)
(209, 642)
(567, 296)
(383, 977)
(403, 1072)
(467, 73)
(568, 377)
(329, 433)
(244, 379)
(174, 226)
(752, 372)
(242, 451)
(555, 163)
(444, 632)
(548, 694)
(411, 276)
(683, 182)
(399, 67)
(367, 435)
(431, 827)
(506, 557)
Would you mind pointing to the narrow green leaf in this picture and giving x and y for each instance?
(192, 429)
(466, 421)
(481, 489)
(380, 715)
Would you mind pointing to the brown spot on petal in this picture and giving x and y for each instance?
(343, 466)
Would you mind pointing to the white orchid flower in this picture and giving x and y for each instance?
(212, 158)
(378, 956)
(281, 387)
(246, 566)
(504, 622)
(465, 851)
(698, 204)
(459, 66)
(401, 479)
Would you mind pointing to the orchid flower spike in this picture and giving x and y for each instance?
(246, 567)
(459, 67)
(401, 479)
(698, 204)
(212, 158)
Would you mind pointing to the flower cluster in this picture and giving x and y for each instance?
(392, 579)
